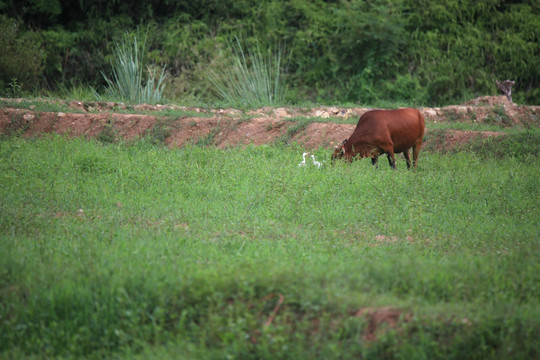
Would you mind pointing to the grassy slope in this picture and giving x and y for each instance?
(128, 248)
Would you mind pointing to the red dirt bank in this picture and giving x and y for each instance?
(231, 127)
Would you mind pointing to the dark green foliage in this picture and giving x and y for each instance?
(460, 48)
(423, 52)
(21, 58)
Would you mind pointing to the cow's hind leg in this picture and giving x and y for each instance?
(407, 158)
(416, 151)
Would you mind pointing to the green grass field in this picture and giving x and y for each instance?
(129, 250)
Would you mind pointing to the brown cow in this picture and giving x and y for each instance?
(385, 132)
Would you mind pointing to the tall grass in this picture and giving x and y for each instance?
(128, 74)
(133, 250)
(253, 78)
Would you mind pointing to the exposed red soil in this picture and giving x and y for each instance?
(232, 127)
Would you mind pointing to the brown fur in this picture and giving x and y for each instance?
(385, 132)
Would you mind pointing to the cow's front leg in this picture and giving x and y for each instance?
(375, 157)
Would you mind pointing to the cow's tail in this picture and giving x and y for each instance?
(419, 141)
(421, 126)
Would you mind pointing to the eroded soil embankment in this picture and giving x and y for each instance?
(232, 127)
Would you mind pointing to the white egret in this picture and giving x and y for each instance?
(303, 162)
(315, 162)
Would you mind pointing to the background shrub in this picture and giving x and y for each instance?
(21, 59)
(431, 52)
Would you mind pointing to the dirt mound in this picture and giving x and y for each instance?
(233, 127)
(491, 101)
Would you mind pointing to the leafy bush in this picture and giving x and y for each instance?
(405, 87)
(21, 59)
(442, 90)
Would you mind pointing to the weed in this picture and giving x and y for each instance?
(501, 116)
(37, 105)
(530, 120)
(77, 91)
(472, 116)
(92, 164)
(14, 90)
(432, 139)
(451, 115)
(209, 138)
(473, 126)
(108, 134)
(17, 126)
(299, 124)
(159, 132)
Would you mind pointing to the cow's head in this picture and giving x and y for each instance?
(339, 151)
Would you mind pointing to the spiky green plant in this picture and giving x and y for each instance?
(253, 79)
(127, 80)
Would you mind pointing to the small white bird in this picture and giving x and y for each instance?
(315, 162)
(303, 162)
